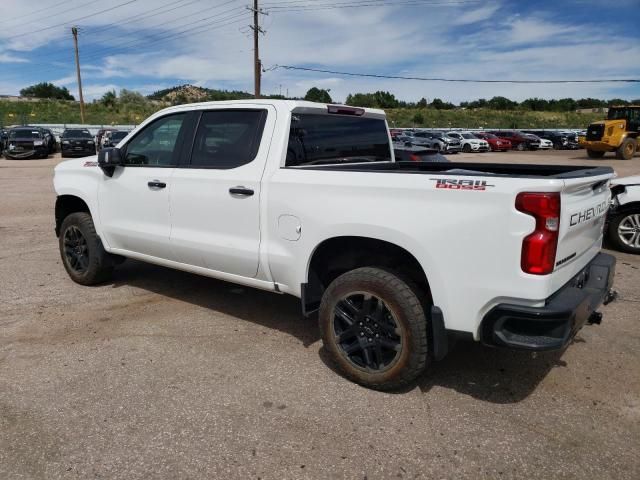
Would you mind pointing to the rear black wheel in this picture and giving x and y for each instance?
(83, 255)
(374, 327)
(627, 149)
(595, 154)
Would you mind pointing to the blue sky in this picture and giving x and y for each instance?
(147, 45)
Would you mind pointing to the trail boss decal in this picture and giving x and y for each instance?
(461, 184)
(588, 214)
(90, 164)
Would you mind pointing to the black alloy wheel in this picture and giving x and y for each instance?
(367, 332)
(76, 250)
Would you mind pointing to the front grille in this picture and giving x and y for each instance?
(595, 132)
(23, 145)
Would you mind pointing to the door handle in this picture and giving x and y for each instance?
(241, 191)
(156, 184)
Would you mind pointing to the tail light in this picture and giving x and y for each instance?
(539, 248)
(415, 158)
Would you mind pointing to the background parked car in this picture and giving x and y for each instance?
(26, 142)
(560, 140)
(469, 142)
(423, 139)
(518, 140)
(623, 218)
(395, 132)
(77, 142)
(4, 136)
(496, 144)
(50, 138)
(543, 144)
(100, 134)
(452, 145)
(411, 153)
(111, 139)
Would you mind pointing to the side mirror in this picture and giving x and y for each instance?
(109, 159)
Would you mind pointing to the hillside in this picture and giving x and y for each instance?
(59, 111)
(192, 94)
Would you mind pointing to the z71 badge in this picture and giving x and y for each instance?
(461, 184)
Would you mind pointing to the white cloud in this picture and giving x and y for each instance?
(456, 41)
(478, 15)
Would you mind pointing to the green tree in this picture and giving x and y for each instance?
(361, 100)
(418, 118)
(501, 103)
(129, 97)
(438, 104)
(109, 99)
(422, 103)
(319, 95)
(46, 90)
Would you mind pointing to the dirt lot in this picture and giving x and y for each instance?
(162, 374)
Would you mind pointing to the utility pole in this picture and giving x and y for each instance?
(74, 31)
(257, 65)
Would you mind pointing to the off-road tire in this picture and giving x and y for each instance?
(100, 263)
(595, 154)
(408, 313)
(613, 234)
(627, 149)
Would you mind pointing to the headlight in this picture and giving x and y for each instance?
(90, 142)
(37, 143)
(65, 142)
(11, 146)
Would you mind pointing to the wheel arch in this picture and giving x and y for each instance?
(66, 205)
(339, 254)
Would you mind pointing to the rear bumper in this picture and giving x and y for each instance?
(552, 326)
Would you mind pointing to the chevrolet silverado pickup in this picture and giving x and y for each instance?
(307, 199)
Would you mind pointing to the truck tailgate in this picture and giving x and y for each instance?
(584, 205)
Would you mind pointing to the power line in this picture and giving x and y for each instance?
(438, 79)
(290, 6)
(200, 29)
(50, 27)
(155, 38)
(33, 12)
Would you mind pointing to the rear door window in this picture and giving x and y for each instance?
(227, 139)
(317, 139)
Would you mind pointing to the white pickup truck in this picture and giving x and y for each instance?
(306, 199)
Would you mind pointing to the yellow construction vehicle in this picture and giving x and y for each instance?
(618, 133)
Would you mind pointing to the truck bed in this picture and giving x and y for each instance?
(468, 168)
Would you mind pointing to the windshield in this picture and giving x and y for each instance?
(468, 135)
(118, 135)
(25, 134)
(316, 139)
(76, 134)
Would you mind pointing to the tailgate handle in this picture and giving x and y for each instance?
(156, 184)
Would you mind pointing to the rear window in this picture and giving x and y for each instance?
(24, 134)
(316, 139)
(77, 134)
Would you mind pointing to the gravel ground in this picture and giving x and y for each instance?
(163, 374)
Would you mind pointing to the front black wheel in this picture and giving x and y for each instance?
(374, 327)
(624, 231)
(83, 255)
